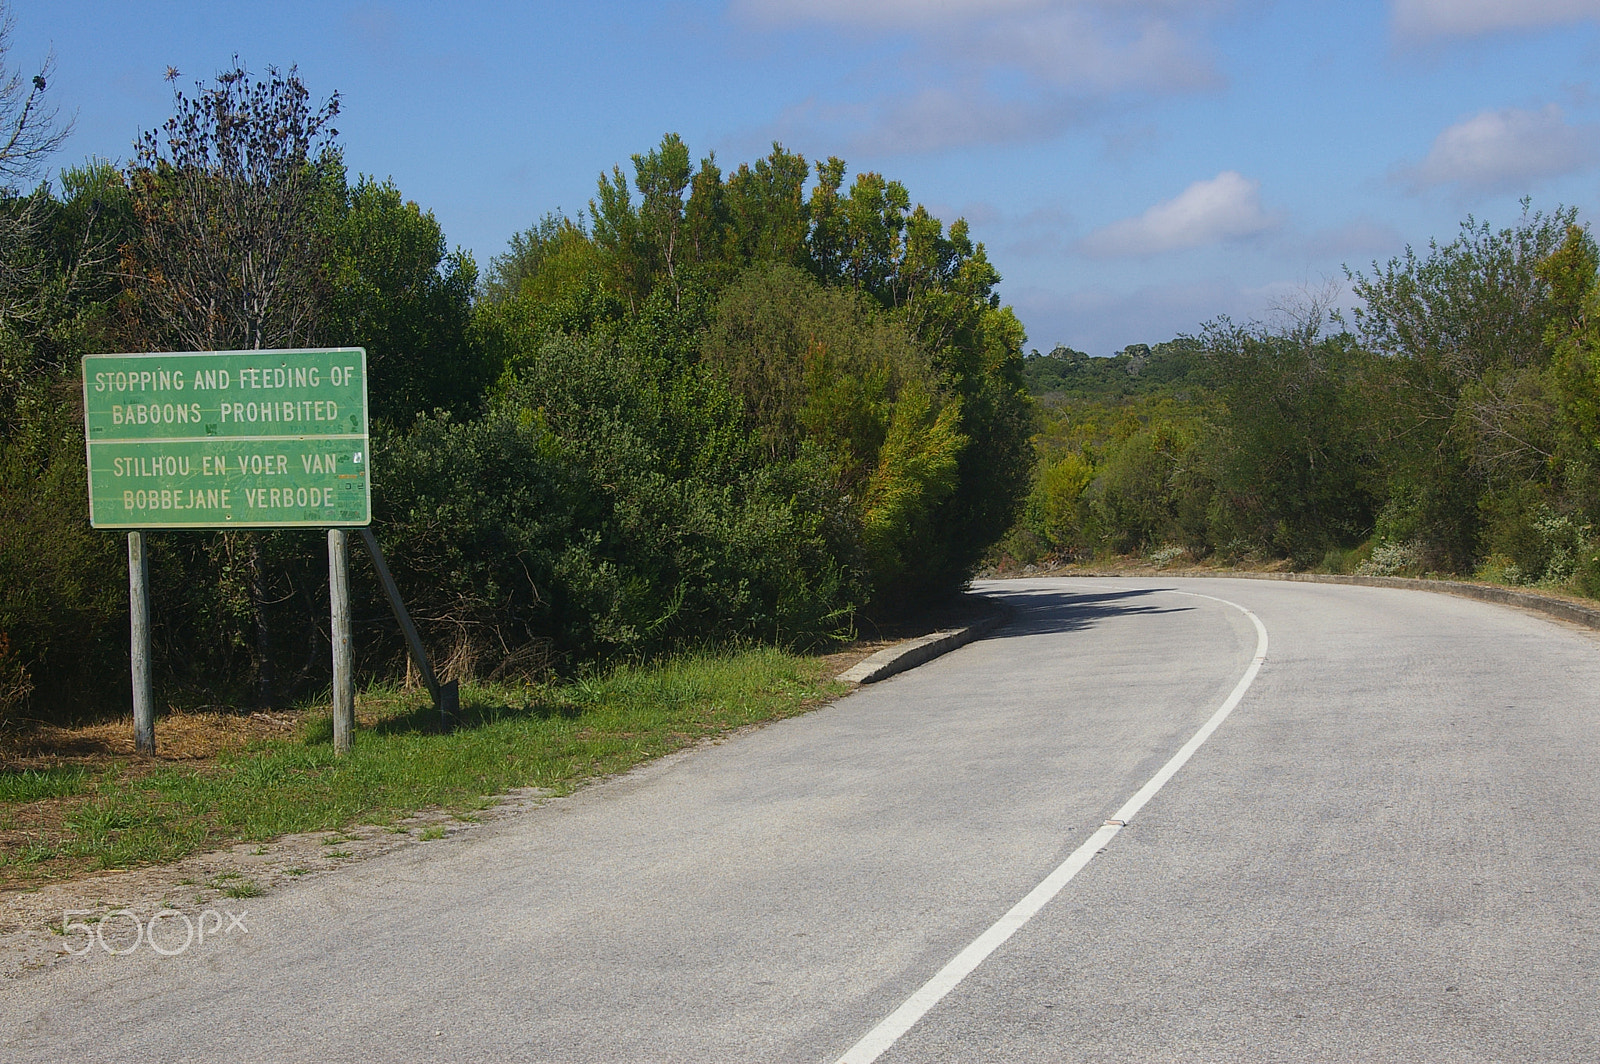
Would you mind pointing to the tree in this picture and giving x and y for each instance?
(31, 130)
(826, 371)
(766, 208)
(395, 291)
(662, 175)
(59, 282)
(666, 259)
(812, 364)
(228, 195)
(1574, 335)
(1295, 462)
(641, 244)
(1466, 409)
(54, 256)
(524, 257)
(54, 619)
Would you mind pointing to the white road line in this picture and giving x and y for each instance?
(880, 1038)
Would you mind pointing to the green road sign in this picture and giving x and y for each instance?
(227, 439)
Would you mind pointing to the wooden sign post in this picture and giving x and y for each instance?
(144, 710)
(344, 680)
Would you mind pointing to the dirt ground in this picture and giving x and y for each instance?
(184, 737)
(228, 877)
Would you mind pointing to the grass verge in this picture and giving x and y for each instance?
(56, 824)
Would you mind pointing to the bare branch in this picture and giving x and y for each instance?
(29, 129)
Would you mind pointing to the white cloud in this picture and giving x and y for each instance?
(994, 71)
(1435, 18)
(1080, 47)
(1504, 150)
(1102, 45)
(1226, 207)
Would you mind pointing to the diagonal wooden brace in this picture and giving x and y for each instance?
(446, 697)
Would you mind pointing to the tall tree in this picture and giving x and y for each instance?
(228, 194)
(1468, 408)
(1296, 463)
(767, 208)
(524, 256)
(30, 130)
(661, 176)
(705, 217)
(395, 291)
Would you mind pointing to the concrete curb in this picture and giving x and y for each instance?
(1588, 616)
(913, 652)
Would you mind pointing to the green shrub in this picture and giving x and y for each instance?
(607, 505)
(63, 586)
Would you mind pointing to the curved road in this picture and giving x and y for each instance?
(1389, 851)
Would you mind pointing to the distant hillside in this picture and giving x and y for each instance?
(1171, 368)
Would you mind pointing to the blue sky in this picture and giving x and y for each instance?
(1135, 167)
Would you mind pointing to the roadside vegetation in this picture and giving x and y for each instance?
(1448, 426)
(758, 404)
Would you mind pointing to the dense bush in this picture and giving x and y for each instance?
(823, 370)
(63, 586)
(851, 327)
(1293, 453)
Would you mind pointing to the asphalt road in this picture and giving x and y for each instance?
(1389, 851)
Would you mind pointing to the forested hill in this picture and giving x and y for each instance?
(1175, 367)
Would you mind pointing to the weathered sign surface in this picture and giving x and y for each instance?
(227, 439)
